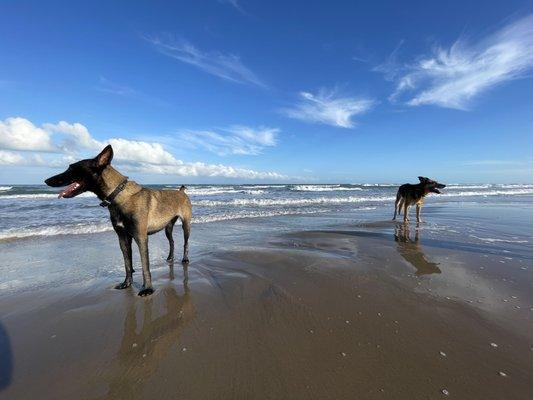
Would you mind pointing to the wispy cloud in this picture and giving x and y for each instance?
(452, 77)
(107, 86)
(235, 4)
(235, 140)
(71, 141)
(223, 65)
(329, 108)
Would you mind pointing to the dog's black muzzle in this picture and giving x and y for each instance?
(59, 180)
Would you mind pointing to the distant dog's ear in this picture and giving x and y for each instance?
(422, 179)
(104, 158)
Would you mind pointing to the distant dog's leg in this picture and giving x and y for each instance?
(400, 206)
(418, 209)
(168, 232)
(125, 245)
(142, 241)
(186, 232)
(405, 211)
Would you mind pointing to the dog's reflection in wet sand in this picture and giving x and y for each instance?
(411, 251)
(141, 353)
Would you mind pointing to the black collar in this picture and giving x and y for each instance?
(106, 202)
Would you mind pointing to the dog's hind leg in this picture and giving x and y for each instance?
(168, 232)
(406, 211)
(186, 224)
(125, 239)
(396, 206)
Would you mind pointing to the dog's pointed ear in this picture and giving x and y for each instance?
(422, 179)
(104, 158)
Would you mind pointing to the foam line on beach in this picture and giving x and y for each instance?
(80, 229)
(323, 188)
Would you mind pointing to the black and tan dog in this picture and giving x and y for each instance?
(135, 212)
(409, 195)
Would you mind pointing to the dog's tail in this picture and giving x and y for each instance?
(183, 188)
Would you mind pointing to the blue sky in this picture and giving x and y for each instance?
(255, 91)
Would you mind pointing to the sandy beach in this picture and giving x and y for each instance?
(360, 309)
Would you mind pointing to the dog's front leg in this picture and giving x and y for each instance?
(142, 241)
(125, 245)
(418, 209)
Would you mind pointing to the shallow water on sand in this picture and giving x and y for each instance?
(331, 305)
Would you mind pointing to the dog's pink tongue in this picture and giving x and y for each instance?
(69, 189)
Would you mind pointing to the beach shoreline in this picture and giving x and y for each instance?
(369, 309)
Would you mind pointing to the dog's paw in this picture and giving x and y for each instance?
(146, 292)
(185, 260)
(123, 285)
(170, 258)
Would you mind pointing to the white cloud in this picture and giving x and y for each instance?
(130, 155)
(12, 158)
(453, 77)
(225, 66)
(235, 140)
(20, 134)
(326, 107)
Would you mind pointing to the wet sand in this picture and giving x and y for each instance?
(368, 311)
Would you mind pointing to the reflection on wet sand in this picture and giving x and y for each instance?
(6, 359)
(411, 251)
(140, 354)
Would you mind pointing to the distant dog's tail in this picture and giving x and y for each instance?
(183, 188)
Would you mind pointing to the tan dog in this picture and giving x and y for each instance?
(135, 212)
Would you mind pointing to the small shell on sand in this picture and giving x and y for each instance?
(494, 345)
(445, 392)
(443, 354)
(501, 373)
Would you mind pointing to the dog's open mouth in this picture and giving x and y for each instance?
(72, 190)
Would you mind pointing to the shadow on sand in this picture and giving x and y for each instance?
(6, 359)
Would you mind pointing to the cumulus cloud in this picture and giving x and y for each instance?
(327, 107)
(452, 77)
(73, 140)
(20, 134)
(225, 66)
(235, 140)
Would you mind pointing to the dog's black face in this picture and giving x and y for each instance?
(82, 176)
(431, 185)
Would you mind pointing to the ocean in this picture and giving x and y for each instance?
(35, 211)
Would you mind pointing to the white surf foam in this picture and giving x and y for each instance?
(322, 188)
(487, 193)
(5, 188)
(80, 229)
(292, 202)
(500, 240)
